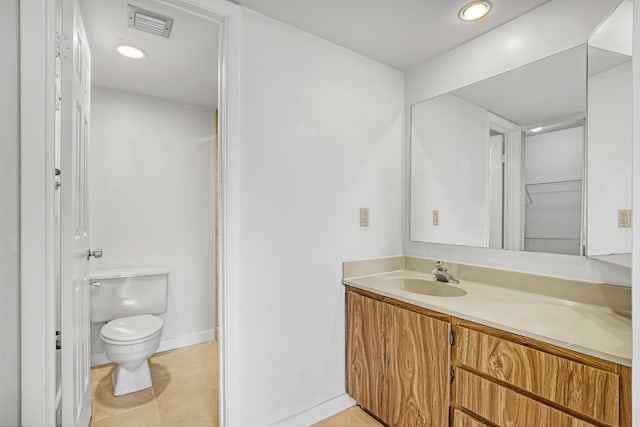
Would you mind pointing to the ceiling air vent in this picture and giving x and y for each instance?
(149, 22)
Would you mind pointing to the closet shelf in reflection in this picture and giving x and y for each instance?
(565, 239)
(565, 186)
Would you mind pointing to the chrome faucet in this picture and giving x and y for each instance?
(442, 275)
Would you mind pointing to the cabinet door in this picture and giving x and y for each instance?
(419, 376)
(366, 360)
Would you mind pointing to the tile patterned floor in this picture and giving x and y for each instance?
(184, 392)
(352, 417)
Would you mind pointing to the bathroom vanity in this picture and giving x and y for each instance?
(488, 354)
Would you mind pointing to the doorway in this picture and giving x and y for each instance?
(40, 44)
(151, 173)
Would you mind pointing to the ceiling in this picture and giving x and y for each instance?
(536, 94)
(554, 88)
(399, 33)
(182, 68)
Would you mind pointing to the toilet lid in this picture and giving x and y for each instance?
(131, 328)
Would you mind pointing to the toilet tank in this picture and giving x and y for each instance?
(127, 292)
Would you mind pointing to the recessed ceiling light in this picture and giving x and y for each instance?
(475, 10)
(130, 51)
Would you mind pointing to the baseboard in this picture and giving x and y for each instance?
(317, 412)
(166, 344)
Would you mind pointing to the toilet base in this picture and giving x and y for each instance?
(127, 381)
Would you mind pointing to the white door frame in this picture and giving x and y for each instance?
(37, 190)
(513, 216)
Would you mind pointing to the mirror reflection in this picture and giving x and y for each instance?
(499, 163)
(609, 145)
(518, 161)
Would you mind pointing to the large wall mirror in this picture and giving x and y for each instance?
(535, 159)
(609, 141)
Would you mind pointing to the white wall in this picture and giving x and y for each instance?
(616, 33)
(320, 138)
(9, 217)
(554, 156)
(553, 208)
(609, 165)
(548, 29)
(449, 171)
(152, 195)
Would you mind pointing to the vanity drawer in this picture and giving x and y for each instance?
(581, 388)
(504, 407)
(461, 419)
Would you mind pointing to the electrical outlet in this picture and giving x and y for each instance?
(624, 218)
(436, 217)
(364, 217)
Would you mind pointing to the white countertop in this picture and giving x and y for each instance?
(590, 329)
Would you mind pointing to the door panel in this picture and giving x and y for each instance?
(419, 360)
(366, 348)
(74, 235)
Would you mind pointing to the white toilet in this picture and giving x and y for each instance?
(128, 299)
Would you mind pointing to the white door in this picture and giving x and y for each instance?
(74, 236)
(496, 193)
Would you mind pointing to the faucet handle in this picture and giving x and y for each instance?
(440, 266)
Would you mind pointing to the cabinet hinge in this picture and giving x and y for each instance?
(452, 371)
(63, 46)
(452, 337)
(58, 340)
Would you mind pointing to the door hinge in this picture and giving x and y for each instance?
(57, 178)
(63, 46)
(58, 340)
(452, 337)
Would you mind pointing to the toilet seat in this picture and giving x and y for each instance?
(131, 330)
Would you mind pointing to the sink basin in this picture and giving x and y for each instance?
(428, 287)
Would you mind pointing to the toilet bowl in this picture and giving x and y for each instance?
(129, 342)
(128, 300)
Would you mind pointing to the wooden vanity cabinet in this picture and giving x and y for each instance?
(508, 379)
(398, 363)
(402, 368)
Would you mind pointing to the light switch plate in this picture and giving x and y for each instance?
(624, 218)
(436, 217)
(364, 217)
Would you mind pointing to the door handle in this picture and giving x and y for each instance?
(96, 253)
